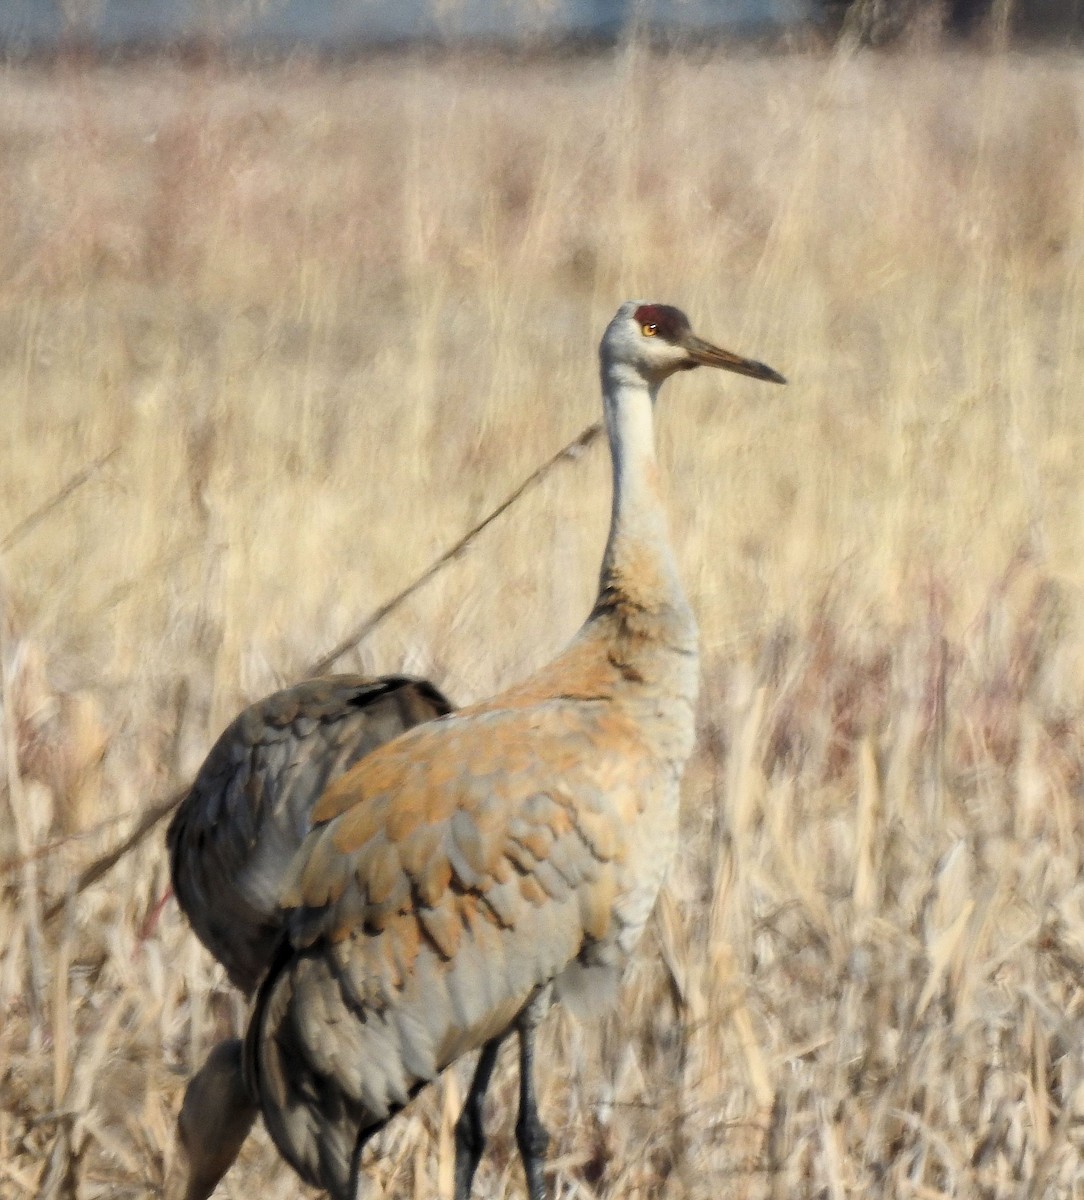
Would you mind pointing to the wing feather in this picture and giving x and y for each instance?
(234, 835)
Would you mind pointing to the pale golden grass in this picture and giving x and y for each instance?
(330, 317)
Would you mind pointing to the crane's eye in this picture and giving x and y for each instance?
(649, 329)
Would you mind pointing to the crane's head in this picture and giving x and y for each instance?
(655, 340)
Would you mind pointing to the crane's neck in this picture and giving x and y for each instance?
(639, 573)
(638, 648)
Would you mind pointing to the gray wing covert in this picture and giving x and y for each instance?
(249, 808)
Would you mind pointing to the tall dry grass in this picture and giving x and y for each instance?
(329, 316)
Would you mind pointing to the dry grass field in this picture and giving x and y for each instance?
(327, 317)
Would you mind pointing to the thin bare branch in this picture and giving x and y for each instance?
(362, 631)
(30, 522)
(103, 865)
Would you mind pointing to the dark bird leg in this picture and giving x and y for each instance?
(470, 1134)
(470, 1137)
(531, 1135)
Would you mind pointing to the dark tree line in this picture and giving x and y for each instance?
(881, 21)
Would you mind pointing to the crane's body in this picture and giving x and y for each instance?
(427, 914)
(461, 871)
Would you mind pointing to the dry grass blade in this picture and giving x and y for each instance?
(867, 821)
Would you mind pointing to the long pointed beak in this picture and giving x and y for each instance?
(704, 354)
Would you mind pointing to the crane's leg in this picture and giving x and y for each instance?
(354, 1188)
(470, 1134)
(531, 1134)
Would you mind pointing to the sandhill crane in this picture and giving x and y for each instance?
(464, 872)
(230, 842)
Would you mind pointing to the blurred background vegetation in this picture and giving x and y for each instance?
(278, 326)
